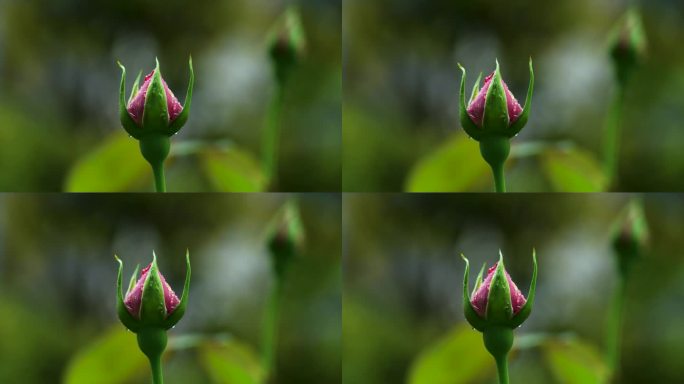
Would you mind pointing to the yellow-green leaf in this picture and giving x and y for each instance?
(575, 362)
(231, 362)
(115, 165)
(113, 358)
(233, 170)
(457, 358)
(454, 166)
(573, 170)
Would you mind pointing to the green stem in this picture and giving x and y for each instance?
(495, 150)
(159, 181)
(152, 342)
(502, 369)
(155, 364)
(499, 178)
(612, 133)
(498, 341)
(271, 136)
(270, 330)
(155, 148)
(614, 330)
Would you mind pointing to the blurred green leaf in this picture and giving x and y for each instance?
(114, 166)
(233, 170)
(575, 362)
(573, 170)
(458, 357)
(454, 166)
(231, 362)
(113, 358)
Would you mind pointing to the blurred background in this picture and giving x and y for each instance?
(401, 129)
(58, 276)
(403, 316)
(59, 86)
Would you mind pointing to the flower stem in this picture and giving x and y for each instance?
(499, 178)
(502, 369)
(155, 364)
(155, 148)
(614, 330)
(270, 329)
(152, 342)
(612, 133)
(498, 341)
(495, 150)
(159, 181)
(271, 136)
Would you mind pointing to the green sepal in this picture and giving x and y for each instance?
(471, 316)
(155, 113)
(476, 88)
(126, 318)
(136, 87)
(178, 313)
(499, 307)
(133, 280)
(478, 281)
(525, 311)
(495, 118)
(181, 119)
(131, 127)
(152, 306)
(515, 128)
(468, 125)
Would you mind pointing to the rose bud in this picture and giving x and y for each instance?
(627, 44)
(630, 236)
(153, 108)
(152, 115)
(492, 117)
(496, 307)
(150, 302)
(285, 237)
(496, 300)
(286, 43)
(150, 309)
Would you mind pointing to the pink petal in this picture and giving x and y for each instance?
(137, 105)
(133, 297)
(480, 297)
(173, 106)
(476, 107)
(517, 298)
(170, 299)
(514, 109)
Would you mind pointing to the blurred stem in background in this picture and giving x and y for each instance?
(286, 45)
(285, 238)
(271, 136)
(614, 328)
(630, 239)
(612, 133)
(270, 329)
(627, 49)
